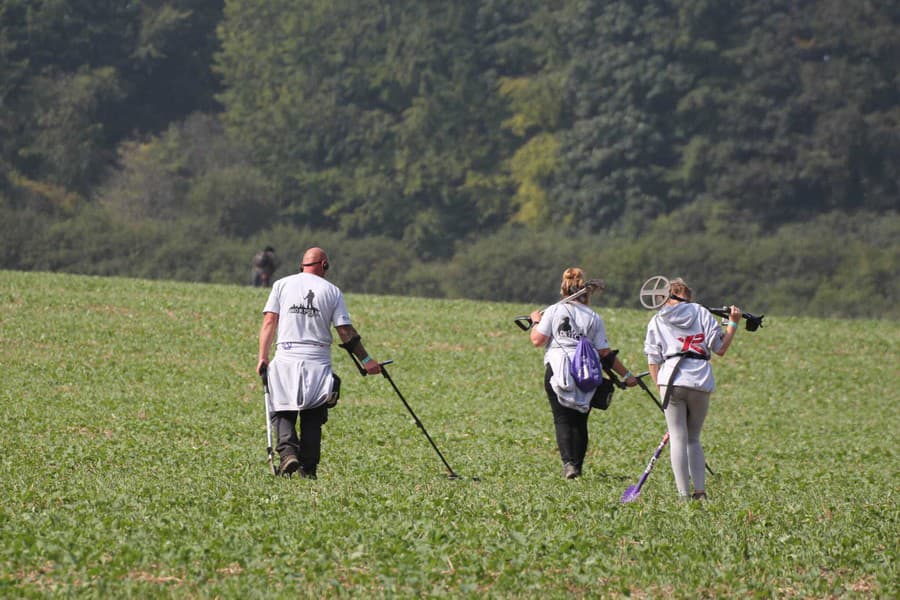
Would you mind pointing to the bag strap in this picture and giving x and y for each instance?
(668, 395)
(681, 356)
(688, 354)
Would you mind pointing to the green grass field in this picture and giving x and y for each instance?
(132, 459)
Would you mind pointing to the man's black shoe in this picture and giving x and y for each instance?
(289, 465)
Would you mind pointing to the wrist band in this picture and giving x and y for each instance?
(732, 324)
(366, 360)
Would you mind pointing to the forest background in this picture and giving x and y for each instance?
(471, 148)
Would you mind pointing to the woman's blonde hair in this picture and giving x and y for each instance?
(677, 287)
(572, 281)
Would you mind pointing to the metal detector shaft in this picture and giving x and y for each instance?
(656, 291)
(362, 371)
(450, 472)
(524, 322)
(640, 380)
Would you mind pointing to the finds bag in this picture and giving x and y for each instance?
(602, 397)
(585, 366)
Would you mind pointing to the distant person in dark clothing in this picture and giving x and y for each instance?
(264, 264)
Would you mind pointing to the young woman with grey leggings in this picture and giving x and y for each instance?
(679, 342)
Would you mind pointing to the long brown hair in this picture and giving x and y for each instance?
(677, 287)
(572, 281)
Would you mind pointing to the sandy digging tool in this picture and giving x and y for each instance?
(524, 322)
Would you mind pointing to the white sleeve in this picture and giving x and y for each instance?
(273, 304)
(713, 332)
(545, 325)
(653, 344)
(599, 340)
(341, 315)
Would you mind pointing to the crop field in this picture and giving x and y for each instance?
(133, 463)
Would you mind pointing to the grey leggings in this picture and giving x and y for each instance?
(685, 415)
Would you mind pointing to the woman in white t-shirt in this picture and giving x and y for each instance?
(558, 330)
(679, 340)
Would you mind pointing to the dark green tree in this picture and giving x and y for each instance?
(79, 76)
(380, 116)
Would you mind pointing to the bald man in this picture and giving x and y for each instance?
(298, 314)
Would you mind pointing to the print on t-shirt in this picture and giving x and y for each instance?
(309, 309)
(565, 328)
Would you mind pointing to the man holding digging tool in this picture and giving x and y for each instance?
(300, 309)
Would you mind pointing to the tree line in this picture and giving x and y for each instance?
(749, 147)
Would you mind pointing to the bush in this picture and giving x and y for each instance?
(237, 200)
(514, 265)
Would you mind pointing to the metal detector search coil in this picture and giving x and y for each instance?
(656, 291)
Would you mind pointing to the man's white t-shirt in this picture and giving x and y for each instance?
(300, 376)
(307, 306)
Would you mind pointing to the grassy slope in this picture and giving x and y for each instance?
(132, 458)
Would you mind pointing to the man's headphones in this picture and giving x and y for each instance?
(323, 261)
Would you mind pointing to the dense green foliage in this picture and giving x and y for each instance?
(133, 459)
(656, 135)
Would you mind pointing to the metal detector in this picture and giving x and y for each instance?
(655, 292)
(451, 474)
(265, 382)
(524, 322)
(644, 387)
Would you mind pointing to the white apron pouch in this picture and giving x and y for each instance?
(563, 384)
(298, 383)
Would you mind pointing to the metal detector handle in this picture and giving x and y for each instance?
(751, 322)
(263, 374)
(524, 322)
(359, 367)
(362, 369)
